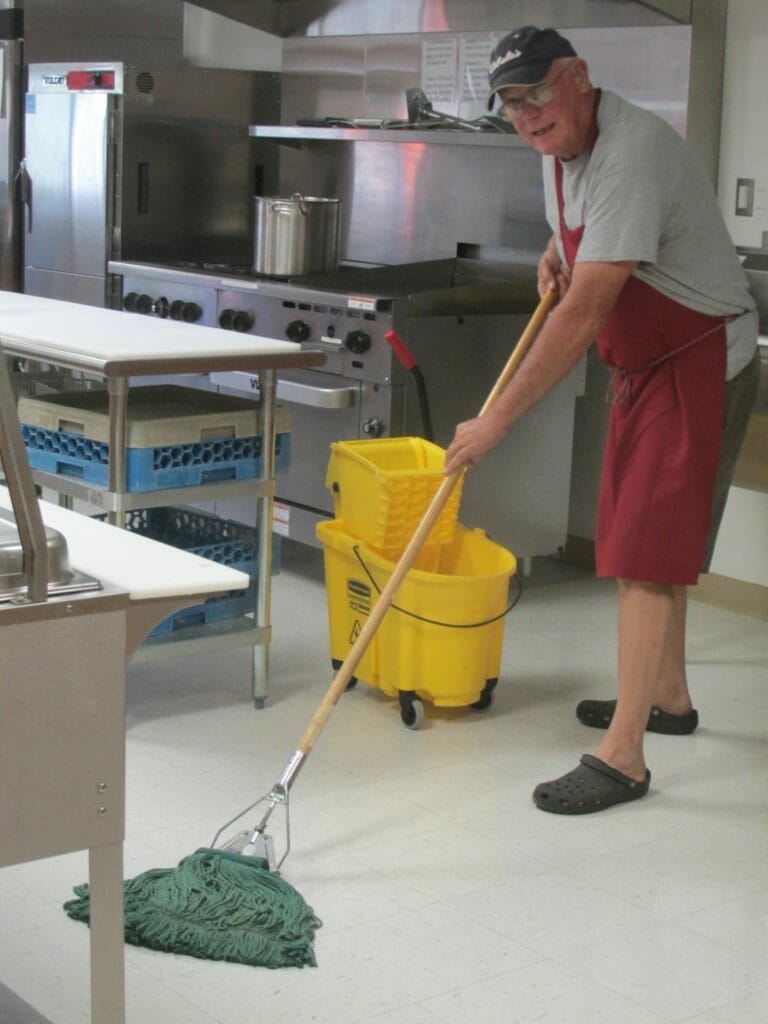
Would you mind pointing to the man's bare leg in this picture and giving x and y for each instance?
(672, 690)
(648, 639)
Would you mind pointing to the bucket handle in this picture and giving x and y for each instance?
(436, 622)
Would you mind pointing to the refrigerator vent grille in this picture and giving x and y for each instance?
(145, 82)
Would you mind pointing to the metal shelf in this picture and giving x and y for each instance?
(298, 136)
(224, 635)
(128, 501)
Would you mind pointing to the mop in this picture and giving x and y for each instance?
(228, 901)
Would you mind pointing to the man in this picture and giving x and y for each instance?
(642, 263)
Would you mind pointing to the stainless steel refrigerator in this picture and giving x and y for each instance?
(11, 128)
(136, 162)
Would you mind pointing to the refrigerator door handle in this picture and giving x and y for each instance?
(25, 191)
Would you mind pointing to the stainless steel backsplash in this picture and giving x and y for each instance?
(419, 200)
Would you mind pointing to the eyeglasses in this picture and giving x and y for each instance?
(537, 96)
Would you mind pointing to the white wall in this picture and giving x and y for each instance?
(744, 134)
(742, 546)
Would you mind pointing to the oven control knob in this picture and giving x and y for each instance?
(243, 321)
(297, 330)
(129, 302)
(161, 307)
(191, 312)
(236, 320)
(176, 309)
(144, 304)
(357, 342)
(374, 427)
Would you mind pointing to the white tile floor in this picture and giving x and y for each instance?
(445, 895)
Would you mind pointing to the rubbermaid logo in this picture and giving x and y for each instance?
(54, 79)
(359, 596)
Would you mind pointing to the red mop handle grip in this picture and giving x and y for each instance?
(400, 349)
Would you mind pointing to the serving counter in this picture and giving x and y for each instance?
(62, 713)
(77, 596)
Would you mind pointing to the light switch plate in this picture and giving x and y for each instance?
(745, 196)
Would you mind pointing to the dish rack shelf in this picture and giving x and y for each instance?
(200, 444)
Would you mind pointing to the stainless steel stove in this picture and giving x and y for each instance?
(458, 317)
(351, 396)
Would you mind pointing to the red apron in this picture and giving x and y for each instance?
(665, 430)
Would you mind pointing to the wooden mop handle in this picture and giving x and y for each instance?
(409, 555)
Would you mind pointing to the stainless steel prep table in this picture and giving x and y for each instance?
(72, 613)
(115, 347)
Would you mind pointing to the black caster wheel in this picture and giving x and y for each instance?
(411, 710)
(486, 697)
(336, 665)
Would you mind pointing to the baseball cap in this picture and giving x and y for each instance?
(524, 56)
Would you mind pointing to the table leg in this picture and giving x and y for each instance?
(267, 393)
(118, 443)
(105, 883)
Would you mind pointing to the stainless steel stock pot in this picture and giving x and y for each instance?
(295, 236)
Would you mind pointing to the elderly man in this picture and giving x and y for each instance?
(643, 264)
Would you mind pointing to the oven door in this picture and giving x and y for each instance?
(324, 408)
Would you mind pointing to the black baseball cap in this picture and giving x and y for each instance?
(524, 56)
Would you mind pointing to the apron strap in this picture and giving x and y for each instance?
(620, 385)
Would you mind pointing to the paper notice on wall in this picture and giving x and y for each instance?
(454, 72)
(439, 71)
(474, 55)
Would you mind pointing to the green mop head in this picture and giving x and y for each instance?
(215, 905)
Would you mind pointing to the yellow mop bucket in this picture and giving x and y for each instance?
(441, 640)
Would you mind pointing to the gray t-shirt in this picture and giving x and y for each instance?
(642, 196)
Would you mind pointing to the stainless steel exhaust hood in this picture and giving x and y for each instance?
(264, 15)
(354, 17)
(676, 10)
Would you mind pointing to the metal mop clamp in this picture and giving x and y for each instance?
(255, 841)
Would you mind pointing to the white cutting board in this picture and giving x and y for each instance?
(144, 568)
(104, 335)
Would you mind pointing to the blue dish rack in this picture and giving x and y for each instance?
(151, 469)
(177, 437)
(223, 541)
